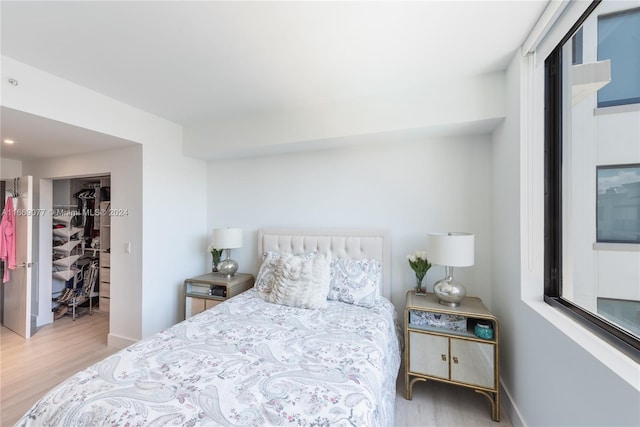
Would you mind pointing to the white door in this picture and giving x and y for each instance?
(17, 291)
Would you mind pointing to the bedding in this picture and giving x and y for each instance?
(245, 362)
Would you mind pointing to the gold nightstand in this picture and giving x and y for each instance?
(442, 345)
(208, 290)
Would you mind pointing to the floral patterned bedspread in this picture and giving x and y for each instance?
(245, 362)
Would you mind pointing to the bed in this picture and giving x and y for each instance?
(251, 362)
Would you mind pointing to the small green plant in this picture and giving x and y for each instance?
(420, 265)
(215, 253)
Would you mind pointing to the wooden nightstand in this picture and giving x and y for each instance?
(203, 292)
(441, 345)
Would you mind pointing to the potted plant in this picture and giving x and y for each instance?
(216, 254)
(420, 265)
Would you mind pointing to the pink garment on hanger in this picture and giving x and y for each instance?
(8, 238)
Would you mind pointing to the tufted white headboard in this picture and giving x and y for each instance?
(340, 243)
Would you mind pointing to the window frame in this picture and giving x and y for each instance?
(611, 333)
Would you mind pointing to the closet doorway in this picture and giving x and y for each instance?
(81, 246)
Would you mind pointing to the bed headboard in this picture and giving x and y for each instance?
(340, 243)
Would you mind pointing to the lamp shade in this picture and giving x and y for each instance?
(227, 238)
(451, 249)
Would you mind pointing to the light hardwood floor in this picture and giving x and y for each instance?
(438, 404)
(29, 368)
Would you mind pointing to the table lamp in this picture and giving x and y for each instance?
(227, 238)
(450, 249)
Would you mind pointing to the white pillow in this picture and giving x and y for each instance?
(264, 280)
(300, 281)
(355, 281)
(265, 277)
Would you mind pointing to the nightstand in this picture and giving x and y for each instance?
(441, 345)
(203, 292)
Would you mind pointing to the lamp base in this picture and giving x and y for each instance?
(228, 267)
(450, 291)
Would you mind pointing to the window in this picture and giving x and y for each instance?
(618, 204)
(592, 238)
(626, 313)
(576, 48)
(619, 41)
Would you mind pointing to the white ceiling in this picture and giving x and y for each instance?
(193, 62)
(37, 137)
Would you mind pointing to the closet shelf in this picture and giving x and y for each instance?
(64, 275)
(66, 261)
(66, 231)
(67, 247)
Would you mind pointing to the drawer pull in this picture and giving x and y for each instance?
(455, 360)
(444, 357)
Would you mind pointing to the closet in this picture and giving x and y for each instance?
(81, 244)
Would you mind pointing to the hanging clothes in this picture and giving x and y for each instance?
(8, 238)
(86, 208)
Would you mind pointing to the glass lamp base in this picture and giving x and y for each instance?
(228, 267)
(450, 292)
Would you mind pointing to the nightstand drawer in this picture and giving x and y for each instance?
(198, 305)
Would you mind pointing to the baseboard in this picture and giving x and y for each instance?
(119, 342)
(507, 404)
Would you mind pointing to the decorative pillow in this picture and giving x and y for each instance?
(300, 281)
(265, 278)
(355, 281)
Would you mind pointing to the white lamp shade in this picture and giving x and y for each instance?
(451, 249)
(227, 238)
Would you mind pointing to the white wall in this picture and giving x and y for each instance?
(555, 372)
(409, 188)
(10, 168)
(506, 232)
(62, 192)
(173, 187)
(174, 231)
(437, 106)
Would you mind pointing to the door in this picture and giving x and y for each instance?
(428, 355)
(17, 291)
(472, 363)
